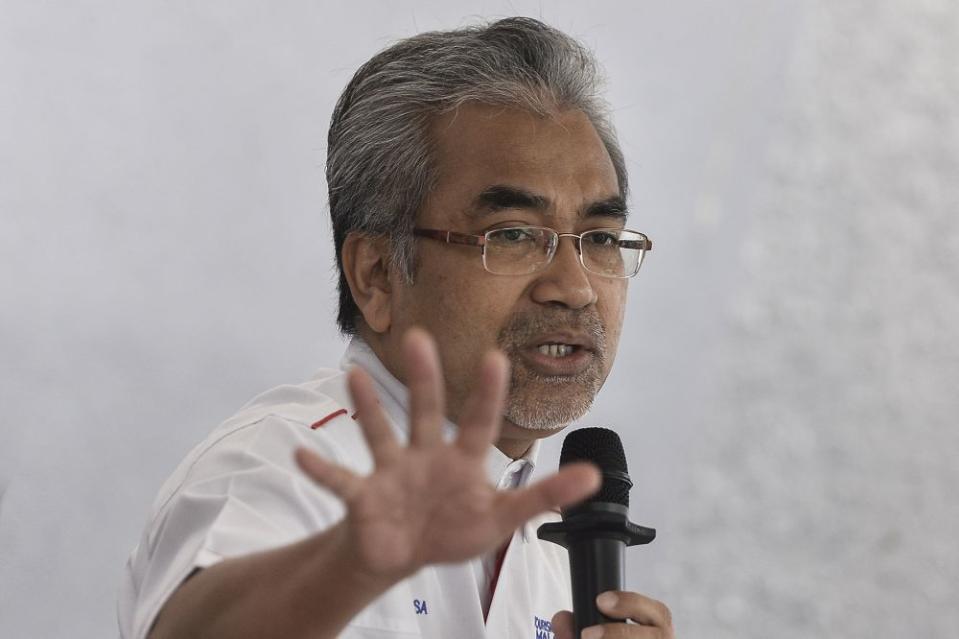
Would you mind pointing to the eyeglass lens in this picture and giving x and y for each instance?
(523, 250)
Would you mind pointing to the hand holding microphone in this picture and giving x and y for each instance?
(596, 534)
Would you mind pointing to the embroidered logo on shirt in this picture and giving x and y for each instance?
(543, 628)
(420, 606)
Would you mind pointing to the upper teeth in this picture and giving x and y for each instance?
(556, 350)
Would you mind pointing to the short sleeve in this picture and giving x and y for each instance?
(242, 494)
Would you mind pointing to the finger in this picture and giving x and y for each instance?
(632, 605)
(572, 484)
(377, 430)
(425, 383)
(562, 625)
(483, 411)
(338, 480)
(625, 631)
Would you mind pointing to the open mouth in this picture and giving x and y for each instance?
(559, 355)
(557, 350)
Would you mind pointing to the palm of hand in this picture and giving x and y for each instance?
(431, 502)
(429, 507)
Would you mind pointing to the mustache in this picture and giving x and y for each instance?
(525, 326)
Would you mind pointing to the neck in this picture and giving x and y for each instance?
(513, 448)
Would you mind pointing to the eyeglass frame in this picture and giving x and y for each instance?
(455, 237)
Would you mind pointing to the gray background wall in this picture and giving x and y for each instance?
(786, 388)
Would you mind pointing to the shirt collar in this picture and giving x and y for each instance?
(502, 471)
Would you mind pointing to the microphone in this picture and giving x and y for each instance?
(597, 531)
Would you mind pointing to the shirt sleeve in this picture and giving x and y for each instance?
(242, 494)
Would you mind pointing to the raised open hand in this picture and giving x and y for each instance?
(431, 502)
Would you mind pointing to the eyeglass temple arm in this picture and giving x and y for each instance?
(643, 245)
(452, 237)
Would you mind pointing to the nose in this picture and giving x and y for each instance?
(564, 281)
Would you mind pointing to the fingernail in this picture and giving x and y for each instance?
(594, 632)
(606, 600)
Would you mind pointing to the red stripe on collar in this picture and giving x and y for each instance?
(320, 422)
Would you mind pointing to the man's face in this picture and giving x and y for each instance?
(501, 167)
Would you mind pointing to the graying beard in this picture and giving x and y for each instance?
(519, 330)
(526, 412)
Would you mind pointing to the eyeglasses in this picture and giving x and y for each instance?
(521, 250)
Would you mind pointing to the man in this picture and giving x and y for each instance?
(477, 330)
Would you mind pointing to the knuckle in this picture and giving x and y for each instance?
(632, 631)
(665, 613)
(623, 631)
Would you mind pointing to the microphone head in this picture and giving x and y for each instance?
(602, 447)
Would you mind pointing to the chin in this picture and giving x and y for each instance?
(543, 411)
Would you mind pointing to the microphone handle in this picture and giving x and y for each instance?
(596, 564)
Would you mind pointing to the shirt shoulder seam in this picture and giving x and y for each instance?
(217, 440)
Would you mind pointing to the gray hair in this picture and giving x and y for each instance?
(380, 166)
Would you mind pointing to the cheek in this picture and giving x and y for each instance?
(462, 308)
(465, 317)
(613, 311)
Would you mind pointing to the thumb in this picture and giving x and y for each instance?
(563, 627)
(573, 483)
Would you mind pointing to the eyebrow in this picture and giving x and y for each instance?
(501, 196)
(610, 207)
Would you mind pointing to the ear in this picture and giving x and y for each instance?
(366, 265)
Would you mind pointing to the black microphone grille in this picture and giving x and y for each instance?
(602, 447)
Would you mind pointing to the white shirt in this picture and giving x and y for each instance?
(240, 491)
